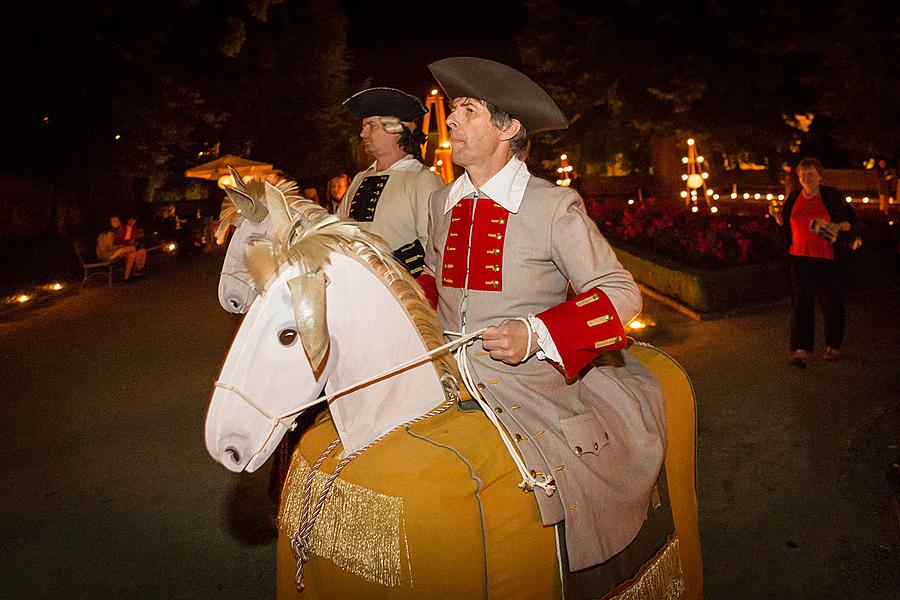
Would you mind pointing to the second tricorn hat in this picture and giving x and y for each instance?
(385, 102)
(502, 86)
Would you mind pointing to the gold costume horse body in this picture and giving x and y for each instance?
(433, 508)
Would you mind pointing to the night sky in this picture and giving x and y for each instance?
(394, 44)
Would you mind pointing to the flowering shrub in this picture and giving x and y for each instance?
(699, 239)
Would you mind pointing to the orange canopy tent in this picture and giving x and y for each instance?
(218, 168)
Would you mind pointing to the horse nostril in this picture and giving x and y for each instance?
(235, 455)
(235, 304)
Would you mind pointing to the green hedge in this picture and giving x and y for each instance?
(705, 291)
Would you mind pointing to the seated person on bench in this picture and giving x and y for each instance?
(112, 244)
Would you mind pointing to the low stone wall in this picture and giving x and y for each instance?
(707, 291)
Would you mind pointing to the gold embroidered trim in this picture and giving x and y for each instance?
(662, 580)
(358, 530)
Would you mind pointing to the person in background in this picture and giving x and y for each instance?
(337, 187)
(390, 198)
(816, 217)
(113, 244)
(310, 193)
(887, 184)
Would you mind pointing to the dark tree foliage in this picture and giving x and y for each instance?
(171, 79)
(733, 73)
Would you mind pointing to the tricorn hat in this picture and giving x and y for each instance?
(385, 102)
(502, 86)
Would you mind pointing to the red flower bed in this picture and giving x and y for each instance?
(699, 239)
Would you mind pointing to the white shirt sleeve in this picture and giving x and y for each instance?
(545, 342)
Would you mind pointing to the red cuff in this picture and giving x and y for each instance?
(583, 327)
(429, 286)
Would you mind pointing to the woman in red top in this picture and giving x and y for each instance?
(815, 215)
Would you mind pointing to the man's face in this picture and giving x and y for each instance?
(809, 177)
(115, 222)
(376, 140)
(473, 137)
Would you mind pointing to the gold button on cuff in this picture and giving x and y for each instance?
(498, 410)
(519, 437)
(596, 446)
(599, 320)
(498, 221)
(588, 300)
(495, 251)
(577, 450)
(480, 386)
(496, 236)
(605, 343)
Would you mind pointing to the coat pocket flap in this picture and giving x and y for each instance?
(585, 434)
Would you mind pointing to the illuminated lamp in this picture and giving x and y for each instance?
(226, 180)
(714, 209)
(694, 181)
(694, 209)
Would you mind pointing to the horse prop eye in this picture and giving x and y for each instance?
(287, 337)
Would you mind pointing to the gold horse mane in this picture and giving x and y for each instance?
(314, 234)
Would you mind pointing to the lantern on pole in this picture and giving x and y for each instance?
(565, 172)
(695, 178)
(443, 165)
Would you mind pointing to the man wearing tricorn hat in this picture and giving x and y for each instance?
(503, 248)
(390, 198)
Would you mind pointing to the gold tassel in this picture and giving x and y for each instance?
(358, 530)
(661, 580)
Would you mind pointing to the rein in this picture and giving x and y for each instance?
(287, 419)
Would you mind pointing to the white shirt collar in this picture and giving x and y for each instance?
(407, 163)
(506, 188)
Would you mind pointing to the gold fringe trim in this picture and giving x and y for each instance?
(358, 530)
(663, 579)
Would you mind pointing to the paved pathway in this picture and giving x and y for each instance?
(108, 490)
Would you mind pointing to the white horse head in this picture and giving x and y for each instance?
(333, 309)
(246, 207)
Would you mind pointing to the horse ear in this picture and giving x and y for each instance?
(248, 200)
(281, 213)
(309, 302)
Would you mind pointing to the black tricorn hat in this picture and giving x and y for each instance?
(385, 102)
(502, 86)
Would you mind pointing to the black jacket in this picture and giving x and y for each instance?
(838, 210)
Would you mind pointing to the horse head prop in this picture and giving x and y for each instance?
(329, 308)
